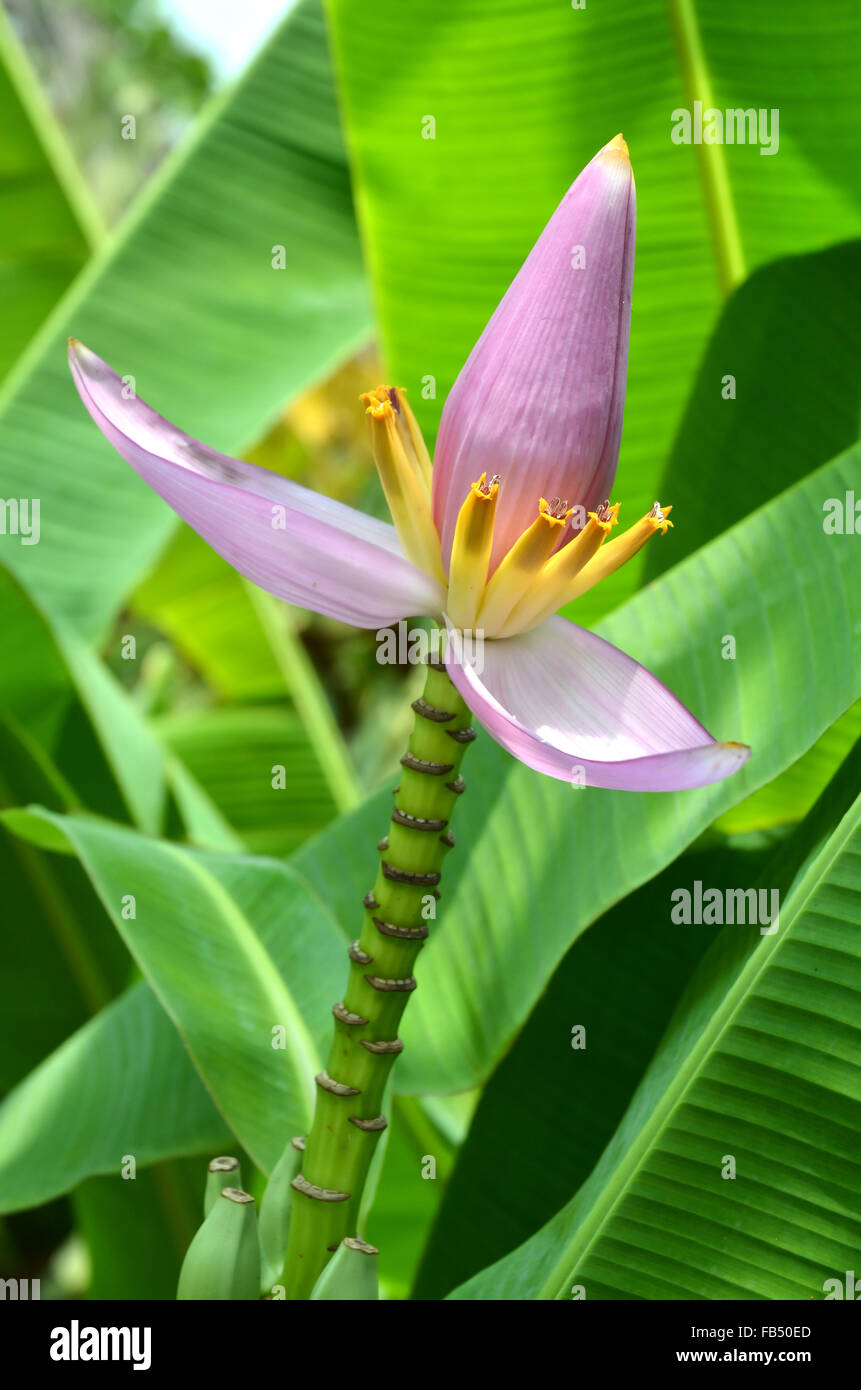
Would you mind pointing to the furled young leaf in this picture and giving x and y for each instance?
(555, 857)
(122, 1084)
(735, 1172)
(244, 959)
(185, 298)
(488, 112)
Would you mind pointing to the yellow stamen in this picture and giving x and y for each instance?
(404, 470)
(616, 553)
(470, 552)
(407, 426)
(526, 556)
(547, 592)
(415, 438)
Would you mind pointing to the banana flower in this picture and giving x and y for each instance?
(512, 522)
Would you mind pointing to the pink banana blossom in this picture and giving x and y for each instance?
(511, 523)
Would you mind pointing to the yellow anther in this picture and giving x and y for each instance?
(470, 552)
(510, 579)
(555, 510)
(547, 592)
(404, 469)
(658, 516)
(606, 516)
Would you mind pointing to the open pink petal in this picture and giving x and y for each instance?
(541, 396)
(571, 705)
(298, 544)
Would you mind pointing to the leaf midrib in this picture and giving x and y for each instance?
(717, 191)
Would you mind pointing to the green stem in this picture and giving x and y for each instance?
(338, 1151)
(720, 204)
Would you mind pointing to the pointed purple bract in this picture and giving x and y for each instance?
(541, 397)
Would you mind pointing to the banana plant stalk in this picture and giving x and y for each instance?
(396, 914)
(511, 523)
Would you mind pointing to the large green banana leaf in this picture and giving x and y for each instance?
(122, 1084)
(790, 355)
(47, 223)
(791, 795)
(563, 1091)
(265, 169)
(735, 1172)
(242, 956)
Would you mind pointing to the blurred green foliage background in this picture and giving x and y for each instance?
(155, 769)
